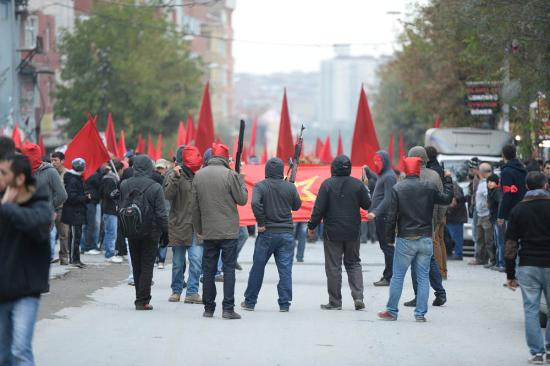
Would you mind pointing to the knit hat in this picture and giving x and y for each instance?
(493, 178)
(220, 150)
(473, 163)
(420, 152)
(79, 165)
(207, 155)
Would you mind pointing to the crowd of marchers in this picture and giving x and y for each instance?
(134, 209)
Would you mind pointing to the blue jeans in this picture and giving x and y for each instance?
(90, 231)
(17, 319)
(194, 253)
(162, 254)
(499, 243)
(110, 223)
(457, 234)
(300, 235)
(418, 253)
(533, 282)
(435, 279)
(281, 246)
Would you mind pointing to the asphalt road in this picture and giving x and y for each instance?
(88, 319)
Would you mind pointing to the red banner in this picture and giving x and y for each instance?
(308, 181)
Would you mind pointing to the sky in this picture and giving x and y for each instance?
(260, 26)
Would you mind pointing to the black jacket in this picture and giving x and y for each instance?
(458, 214)
(273, 199)
(157, 177)
(74, 208)
(154, 194)
(512, 181)
(93, 186)
(25, 247)
(338, 203)
(107, 192)
(493, 201)
(434, 165)
(382, 191)
(412, 206)
(528, 227)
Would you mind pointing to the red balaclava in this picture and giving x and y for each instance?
(220, 150)
(34, 154)
(412, 166)
(192, 158)
(378, 164)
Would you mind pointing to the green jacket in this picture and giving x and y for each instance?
(178, 190)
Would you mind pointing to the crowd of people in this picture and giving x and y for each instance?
(135, 208)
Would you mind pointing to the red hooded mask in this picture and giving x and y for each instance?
(220, 150)
(412, 166)
(34, 154)
(192, 158)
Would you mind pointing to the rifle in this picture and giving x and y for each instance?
(295, 160)
(240, 147)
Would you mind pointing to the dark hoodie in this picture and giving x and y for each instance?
(338, 203)
(155, 217)
(273, 199)
(382, 191)
(512, 181)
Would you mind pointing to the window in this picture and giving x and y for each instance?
(191, 25)
(31, 31)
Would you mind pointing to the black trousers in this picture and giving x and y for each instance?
(349, 251)
(210, 258)
(143, 252)
(75, 233)
(380, 222)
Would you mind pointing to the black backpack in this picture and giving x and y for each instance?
(135, 215)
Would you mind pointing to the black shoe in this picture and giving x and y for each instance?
(208, 314)
(284, 310)
(537, 359)
(383, 282)
(144, 307)
(489, 265)
(230, 314)
(238, 267)
(331, 307)
(78, 264)
(455, 258)
(410, 304)
(439, 301)
(218, 278)
(246, 307)
(359, 304)
(300, 260)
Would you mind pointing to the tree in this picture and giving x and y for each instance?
(127, 60)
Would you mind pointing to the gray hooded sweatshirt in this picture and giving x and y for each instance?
(382, 191)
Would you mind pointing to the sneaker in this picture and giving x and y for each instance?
(330, 306)
(439, 301)
(93, 252)
(208, 314)
(476, 263)
(78, 264)
(193, 299)
(144, 307)
(131, 283)
(489, 265)
(174, 298)
(230, 315)
(420, 318)
(246, 307)
(64, 262)
(114, 259)
(536, 359)
(386, 315)
(410, 304)
(161, 265)
(284, 310)
(54, 260)
(219, 278)
(359, 304)
(300, 260)
(383, 282)
(238, 267)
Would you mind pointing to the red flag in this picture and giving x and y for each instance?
(390, 149)
(110, 137)
(318, 148)
(285, 147)
(171, 153)
(190, 133)
(87, 145)
(252, 144)
(340, 150)
(16, 137)
(140, 147)
(263, 160)
(205, 129)
(181, 135)
(401, 164)
(436, 121)
(151, 151)
(365, 143)
(41, 144)
(122, 144)
(159, 147)
(326, 152)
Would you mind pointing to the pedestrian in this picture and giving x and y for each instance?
(411, 211)
(110, 194)
(473, 178)
(25, 259)
(74, 210)
(512, 181)
(178, 189)
(494, 197)
(146, 199)
(217, 191)
(161, 168)
(528, 236)
(380, 205)
(46, 175)
(338, 205)
(273, 200)
(57, 159)
(457, 216)
(300, 235)
(485, 253)
(90, 240)
(546, 170)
